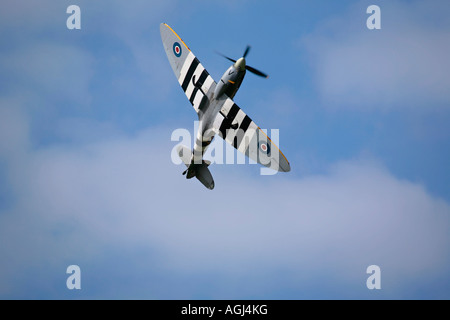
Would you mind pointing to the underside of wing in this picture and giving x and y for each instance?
(193, 78)
(236, 128)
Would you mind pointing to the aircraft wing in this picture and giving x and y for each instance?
(187, 68)
(236, 128)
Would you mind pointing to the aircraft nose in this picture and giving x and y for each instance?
(240, 63)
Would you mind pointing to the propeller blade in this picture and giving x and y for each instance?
(232, 60)
(257, 72)
(251, 69)
(246, 51)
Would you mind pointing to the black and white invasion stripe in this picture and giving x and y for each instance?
(193, 69)
(202, 142)
(246, 128)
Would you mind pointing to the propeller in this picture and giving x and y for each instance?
(246, 51)
(251, 69)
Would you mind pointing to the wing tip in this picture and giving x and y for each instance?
(286, 169)
(166, 25)
(284, 165)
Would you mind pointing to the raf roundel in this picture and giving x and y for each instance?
(177, 49)
(264, 147)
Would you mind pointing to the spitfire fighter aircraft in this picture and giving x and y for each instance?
(217, 112)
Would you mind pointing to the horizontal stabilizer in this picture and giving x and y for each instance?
(200, 171)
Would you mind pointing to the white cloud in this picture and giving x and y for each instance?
(44, 60)
(21, 16)
(404, 65)
(125, 193)
(14, 128)
(47, 71)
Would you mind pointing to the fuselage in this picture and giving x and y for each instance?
(227, 87)
(231, 80)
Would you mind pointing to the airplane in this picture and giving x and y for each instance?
(216, 110)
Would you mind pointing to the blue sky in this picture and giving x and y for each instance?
(86, 177)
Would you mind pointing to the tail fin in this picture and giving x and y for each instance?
(200, 171)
